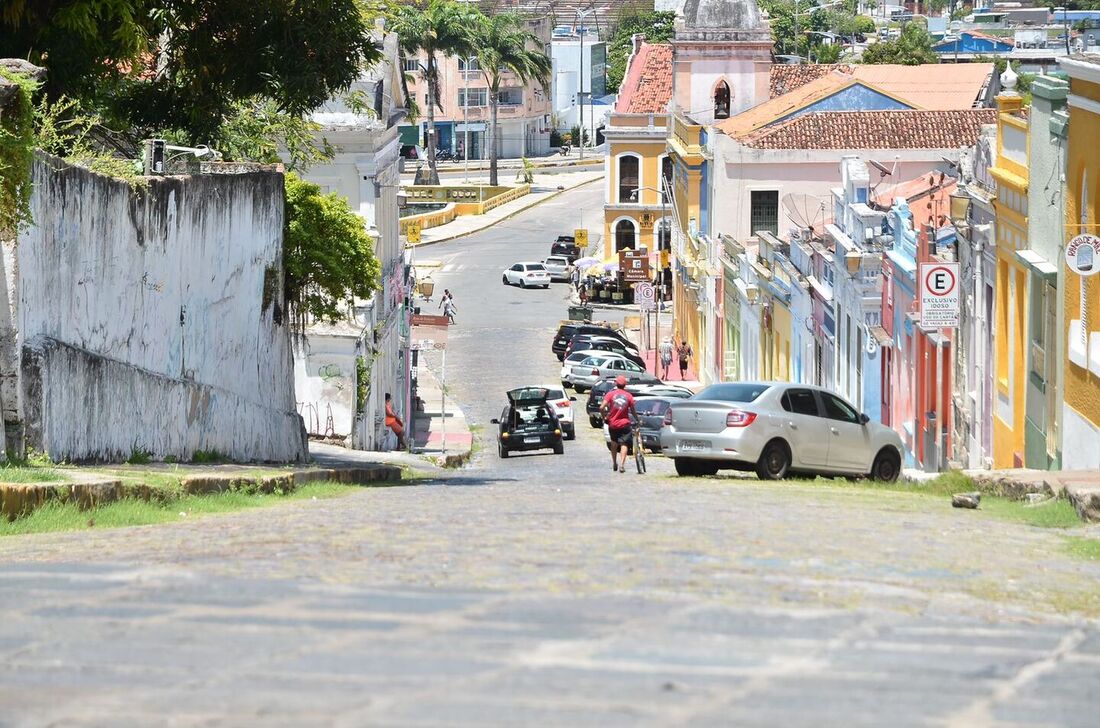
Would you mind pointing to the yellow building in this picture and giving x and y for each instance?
(691, 317)
(638, 197)
(1081, 402)
(1010, 335)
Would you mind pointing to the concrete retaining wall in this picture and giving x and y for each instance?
(151, 319)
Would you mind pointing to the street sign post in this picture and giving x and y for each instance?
(634, 265)
(580, 237)
(939, 295)
(412, 233)
(645, 296)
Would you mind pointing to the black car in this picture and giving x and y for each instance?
(639, 390)
(569, 329)
(651, 412)
(566, 245)
(586, 342)
(528, 423)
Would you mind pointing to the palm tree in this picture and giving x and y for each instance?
(439, 28)
(504, 45)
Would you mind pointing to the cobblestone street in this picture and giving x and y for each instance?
(547, 590)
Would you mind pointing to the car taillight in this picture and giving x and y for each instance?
(563, 405)
(740, 418)
(595, 372)
(530, 275)
(668, 418)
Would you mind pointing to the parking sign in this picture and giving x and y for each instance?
(939, 295)
(645, 296)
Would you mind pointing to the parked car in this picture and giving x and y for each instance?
(579, 341)
(640, 390)
(525, 275)
(566, 245)
(777, 428)
(604, 343)
(563, 408)
(528, 422)
(559, 268)
(569, 329)
(599, 366)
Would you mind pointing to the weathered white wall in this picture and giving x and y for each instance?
(324, 381)
(144, 319)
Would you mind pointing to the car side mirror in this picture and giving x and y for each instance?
(864, 419)
(494, 421)
(572, 399)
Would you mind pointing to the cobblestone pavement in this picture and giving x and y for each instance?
(546, 590)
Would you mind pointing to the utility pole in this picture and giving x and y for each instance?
(582, 14)
(466, 129)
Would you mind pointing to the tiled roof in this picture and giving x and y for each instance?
(788, 103)
(786, 77)
(647, 87)
(875, 130)
(929, 86)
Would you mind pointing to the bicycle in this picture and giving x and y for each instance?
(639, 449)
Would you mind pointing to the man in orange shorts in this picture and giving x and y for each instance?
(394, 422)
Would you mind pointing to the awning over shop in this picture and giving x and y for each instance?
(472, 126)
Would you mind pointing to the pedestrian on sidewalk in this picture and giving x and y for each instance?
(575, 278)
(449, 310)
(684, 353)
(446, 297)
(665, 352)
(394, 422)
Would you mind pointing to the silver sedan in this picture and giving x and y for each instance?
(777, 428)
(601, 365)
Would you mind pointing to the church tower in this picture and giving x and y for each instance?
(722, 58)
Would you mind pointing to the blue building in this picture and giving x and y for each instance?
(973, 42)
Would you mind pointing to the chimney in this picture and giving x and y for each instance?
(636, 41)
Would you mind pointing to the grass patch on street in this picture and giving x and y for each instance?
(1083, 548)
(1052, 513)
(52, 517)
(30, 474)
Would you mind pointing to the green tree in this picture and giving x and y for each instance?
(148, 66)
(328, 258)
(437, 28)
(656, 27)
(504, 45)
(912, 48)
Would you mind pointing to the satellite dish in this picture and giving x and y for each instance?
(806, 211)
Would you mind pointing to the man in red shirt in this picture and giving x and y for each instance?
(619, 413)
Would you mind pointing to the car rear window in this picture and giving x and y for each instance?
(733, 392)
(650, 406)
(536, 266)
(555, 394)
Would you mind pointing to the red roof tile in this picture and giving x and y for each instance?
(875, 130)
(786, 77)
(647, 87)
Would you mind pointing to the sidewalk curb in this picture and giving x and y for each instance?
(510, 215)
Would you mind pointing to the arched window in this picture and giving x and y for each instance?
(629, 179)
(722, 100)
(666, 179)
(625, 234)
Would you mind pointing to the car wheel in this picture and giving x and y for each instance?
(887, 466)
(706, 469)
(522, 283)
(595, 422)
(501, 450)
(685, 467)
(571, 433)
(774, 462)
(546, 286)
(504, 280)
(579, 389)
(559, 449)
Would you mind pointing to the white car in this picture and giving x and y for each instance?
(559, 268)
(563, 408)
(601, 365)
(777, 428)
(526, 275)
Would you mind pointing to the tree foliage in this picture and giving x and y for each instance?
(328, 258)
(505, 45)
(657, 27)
(152, 65)
(912, 48)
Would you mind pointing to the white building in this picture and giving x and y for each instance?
(579, 81)
(344, 371)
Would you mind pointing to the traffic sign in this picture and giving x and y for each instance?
(1083, 255)
(939, 295)
(580, 237)
(634, 265)
(412, 233)
(645, 296)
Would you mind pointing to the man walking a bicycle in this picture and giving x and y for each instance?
(618, 412)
